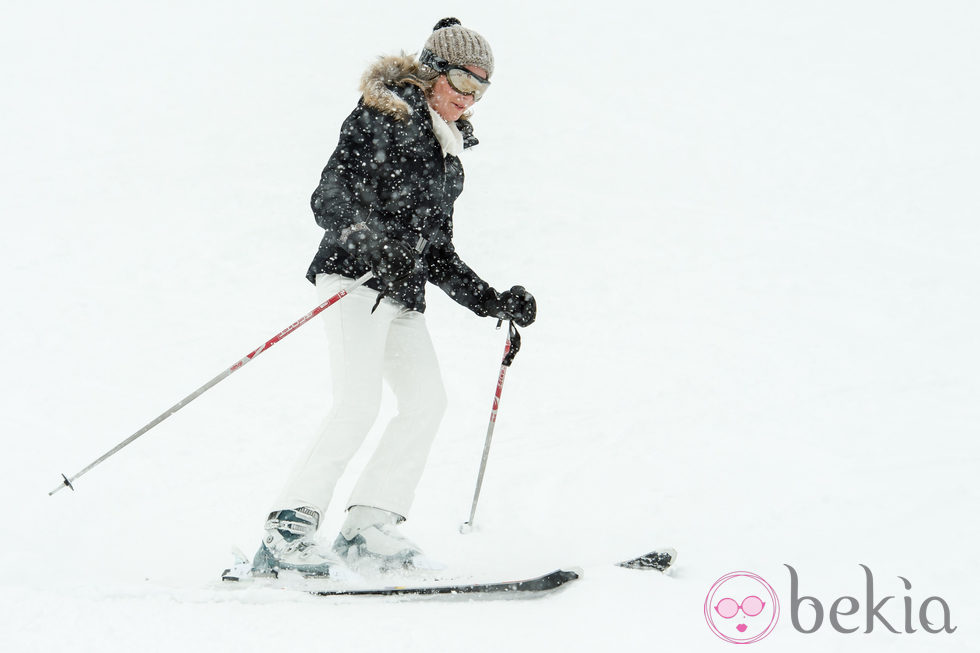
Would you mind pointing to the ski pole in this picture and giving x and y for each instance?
(511, 347)
(67, 482)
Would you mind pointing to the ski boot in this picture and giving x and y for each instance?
(370, 541)
(290, 543)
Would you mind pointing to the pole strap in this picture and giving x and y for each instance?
(515, 345)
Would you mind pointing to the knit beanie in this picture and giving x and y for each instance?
(459, 46)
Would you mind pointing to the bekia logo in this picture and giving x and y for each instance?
(742, 608)
(874, 611)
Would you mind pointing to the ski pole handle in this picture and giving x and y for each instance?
(68, 482)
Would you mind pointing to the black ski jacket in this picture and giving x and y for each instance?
(388, 178)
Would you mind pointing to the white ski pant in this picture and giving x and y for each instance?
(391, 344)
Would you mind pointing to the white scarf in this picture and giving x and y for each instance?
(447, 134)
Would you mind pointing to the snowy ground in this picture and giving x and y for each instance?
(752, 231)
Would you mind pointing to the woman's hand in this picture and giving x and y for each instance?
(516, 304)
(392, 261)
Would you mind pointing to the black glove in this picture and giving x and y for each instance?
(392, 261)
(515, 304)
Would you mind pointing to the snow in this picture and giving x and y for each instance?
(751, 229)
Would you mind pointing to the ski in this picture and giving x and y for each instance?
(657, 560)
(530, 586)
(526, 587)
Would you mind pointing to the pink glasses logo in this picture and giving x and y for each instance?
(741, 608)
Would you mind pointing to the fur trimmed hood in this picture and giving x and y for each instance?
(395, 70)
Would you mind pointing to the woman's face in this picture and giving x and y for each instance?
(447, 101)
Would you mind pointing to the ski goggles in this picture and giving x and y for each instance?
(752, 606)
(459, 78)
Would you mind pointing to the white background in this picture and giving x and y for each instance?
(752, 232)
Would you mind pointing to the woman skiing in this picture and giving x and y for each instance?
(385, 201)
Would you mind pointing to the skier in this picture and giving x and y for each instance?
(385, 201)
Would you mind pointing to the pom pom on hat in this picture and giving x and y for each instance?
(446, 22)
